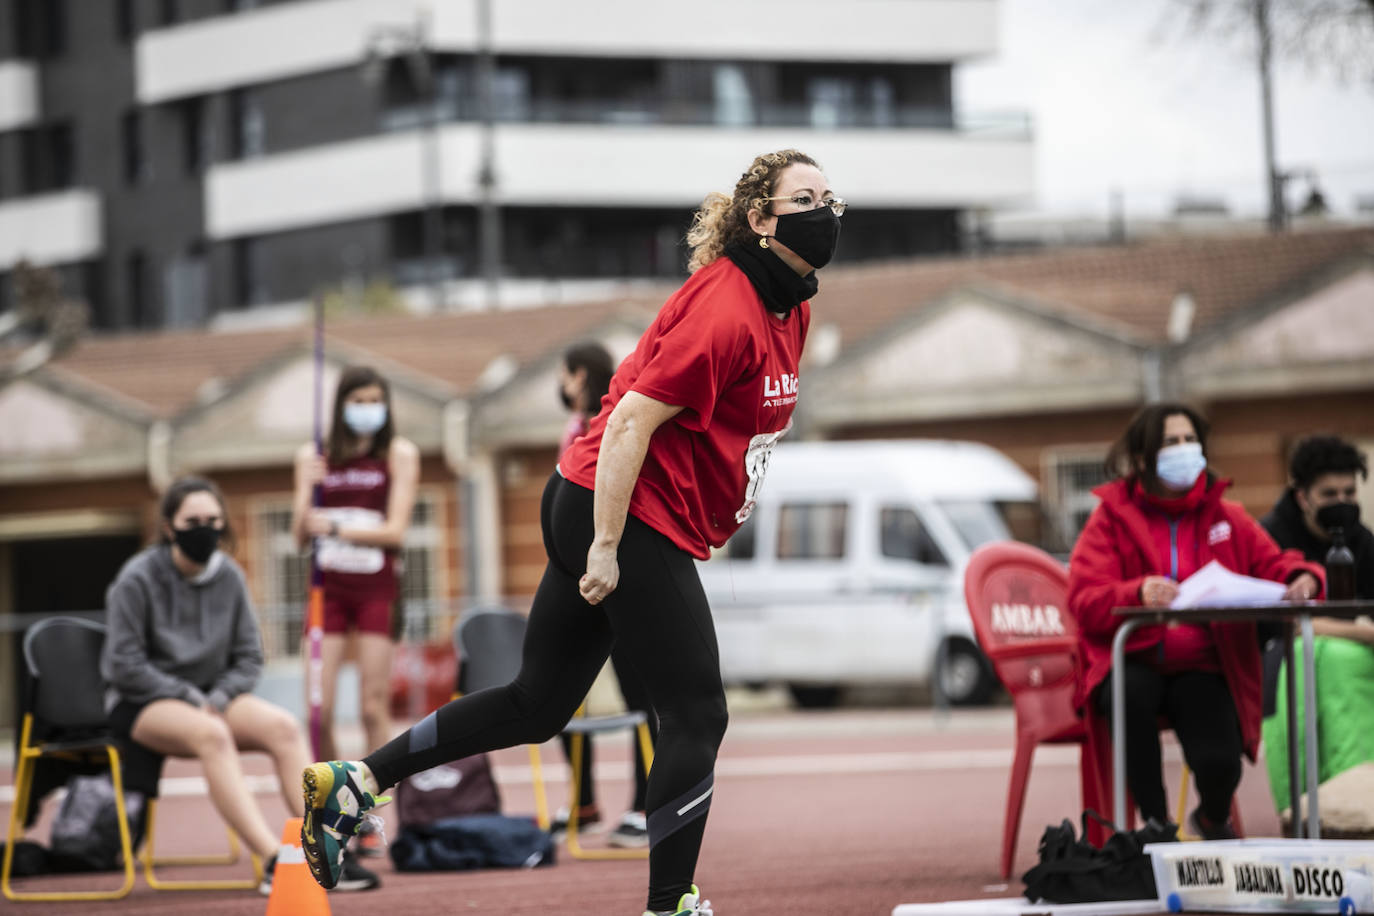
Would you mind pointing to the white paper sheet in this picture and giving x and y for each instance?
(1216, 586)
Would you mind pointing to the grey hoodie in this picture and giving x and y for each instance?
(169, 637)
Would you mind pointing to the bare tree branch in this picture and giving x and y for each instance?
(43, 323)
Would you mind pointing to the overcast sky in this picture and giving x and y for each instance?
(1122, 97)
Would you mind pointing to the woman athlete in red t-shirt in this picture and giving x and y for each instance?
(669, 468)
(367, 479)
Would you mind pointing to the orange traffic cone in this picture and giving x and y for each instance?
(294, 891)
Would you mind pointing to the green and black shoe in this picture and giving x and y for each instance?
(335, 805)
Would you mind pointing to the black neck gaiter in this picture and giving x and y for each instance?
(777, 284)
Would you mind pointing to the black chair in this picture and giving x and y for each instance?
(64, 719)
(489, 641)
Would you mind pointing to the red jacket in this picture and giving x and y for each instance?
(1119, 547)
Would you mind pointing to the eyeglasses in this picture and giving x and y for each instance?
(837, 205)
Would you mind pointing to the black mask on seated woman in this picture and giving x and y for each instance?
(197, 543)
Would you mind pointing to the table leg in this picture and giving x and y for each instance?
(1119, 721)
(1291, 692)
(1309, 679)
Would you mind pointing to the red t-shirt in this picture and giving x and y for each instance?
(355, 495)
(731, 365)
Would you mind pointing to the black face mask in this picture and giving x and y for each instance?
(811, 234)
(1345, 516)
(565, 398)
(197, 543)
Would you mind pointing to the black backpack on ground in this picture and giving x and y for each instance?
(1072, 870)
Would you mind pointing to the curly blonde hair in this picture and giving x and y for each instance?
(723, 220)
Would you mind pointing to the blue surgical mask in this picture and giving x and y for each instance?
(1178, 466)
(365, 419)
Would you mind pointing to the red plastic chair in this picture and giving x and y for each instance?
(1016, 596)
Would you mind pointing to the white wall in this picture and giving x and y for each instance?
(50, 228)
(616, 166)
(270, 44)
(18, 94)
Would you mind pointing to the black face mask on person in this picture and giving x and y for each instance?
(1345, 516)
(197, 543)
(812, 234)
(568, 402)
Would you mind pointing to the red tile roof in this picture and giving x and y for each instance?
(1128, 287)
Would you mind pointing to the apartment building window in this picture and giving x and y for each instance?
(250, 272)
(136, 287)
(126, 21)
(194, 142)
(186, 288)
(40, 28)
(734, 103)
(131, 139)
(247, 125)
(47, 158)
(1070, 477)
(285, 578)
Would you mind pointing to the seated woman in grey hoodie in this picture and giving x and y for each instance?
(182, 654)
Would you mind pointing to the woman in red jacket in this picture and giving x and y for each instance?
(1159, 521)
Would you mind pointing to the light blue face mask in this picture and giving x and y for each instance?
(365, 419)
(1178, 466)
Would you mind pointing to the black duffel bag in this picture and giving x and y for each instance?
(1072, 870)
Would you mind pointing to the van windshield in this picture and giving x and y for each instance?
(977, 522)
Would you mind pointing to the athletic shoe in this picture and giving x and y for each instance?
(370, 843)
(689, 905)
(631, 833)
(1201, 826)
(268, 869)
(354, 877)
(588, 821)
(335, 805)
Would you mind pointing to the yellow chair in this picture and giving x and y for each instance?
(151, 860)
(488, 641)
(65, 719)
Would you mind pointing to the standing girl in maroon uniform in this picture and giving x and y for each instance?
(668, 469)
(367, 481)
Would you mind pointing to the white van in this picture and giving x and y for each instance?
(850, 569)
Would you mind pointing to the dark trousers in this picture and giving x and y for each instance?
(636, 698)
(659, 616)
(1199, 708)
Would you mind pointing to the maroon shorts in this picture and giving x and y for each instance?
(366, 614)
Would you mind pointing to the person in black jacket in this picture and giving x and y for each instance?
(1323, 473)
(1324, 476)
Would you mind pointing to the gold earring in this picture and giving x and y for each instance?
(763, 241)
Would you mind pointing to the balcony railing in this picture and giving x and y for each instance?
(1011, 124)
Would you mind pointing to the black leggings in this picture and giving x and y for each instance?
(636, 698)
(1202, 714)
(658, 614)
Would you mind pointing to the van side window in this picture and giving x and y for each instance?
(812, 531)
(903, 537)
(741, 545)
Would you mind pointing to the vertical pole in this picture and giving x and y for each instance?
(431, 165)
(315, 607)
(1291, 696)
(1277, 216)
(489, 216)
